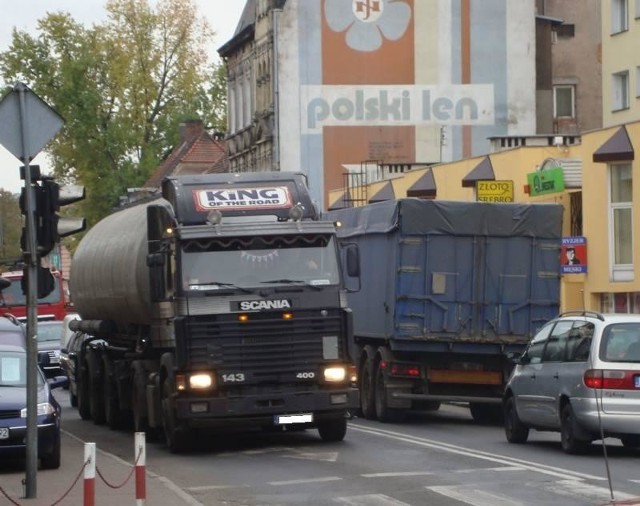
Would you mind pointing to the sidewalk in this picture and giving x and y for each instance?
(52, 486)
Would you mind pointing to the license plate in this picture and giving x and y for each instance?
(289, 419)
(4, 433)
(636, 381)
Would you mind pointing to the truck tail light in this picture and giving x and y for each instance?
(401, 369)
(610, 379)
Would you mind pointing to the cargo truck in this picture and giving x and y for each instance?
(446, 293)
(216, 304)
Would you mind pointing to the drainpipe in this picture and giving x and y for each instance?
(275, 13)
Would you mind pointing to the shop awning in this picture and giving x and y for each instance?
(385, 193)
(617, 149)
(342, 202)
(482, 172)
(425, 186)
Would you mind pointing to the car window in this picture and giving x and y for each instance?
(536, 346)
(621, 343)
(49, 332)
(579, 341)
(13, 369)
(554, 351)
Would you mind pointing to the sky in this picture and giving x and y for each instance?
(222, 15)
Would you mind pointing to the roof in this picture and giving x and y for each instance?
(483, 171)
(198, 153)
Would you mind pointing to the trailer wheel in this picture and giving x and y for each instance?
(96, 393)
(112, 413)
(332, 430)
(367, 390)
(177, 439)
(383, 411)
(84, 409)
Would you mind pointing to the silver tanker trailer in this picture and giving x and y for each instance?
(217, 303)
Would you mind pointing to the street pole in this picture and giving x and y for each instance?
(31, 259)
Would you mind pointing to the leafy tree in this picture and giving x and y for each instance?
(10, 228)
(122, 86)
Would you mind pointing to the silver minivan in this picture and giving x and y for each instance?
(580, 376)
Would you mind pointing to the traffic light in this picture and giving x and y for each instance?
(48, 196)
(50, 226)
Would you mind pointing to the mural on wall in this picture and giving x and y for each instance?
(380, 80)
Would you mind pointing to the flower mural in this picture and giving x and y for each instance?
(367, 22)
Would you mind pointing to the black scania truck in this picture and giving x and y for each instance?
(218, 302)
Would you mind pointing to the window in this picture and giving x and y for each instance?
(563, 102)
(554, 351)
(619, 16)
(620, 91)
(579, 342)
(534, 350)
(621, 226)
(620, 302)
(566, 30)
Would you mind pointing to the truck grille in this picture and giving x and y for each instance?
(265, 346)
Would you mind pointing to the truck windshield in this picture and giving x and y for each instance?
(259, 262)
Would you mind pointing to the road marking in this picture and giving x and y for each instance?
(492, 469)
(205, 488)
(320, 456)
(492, 457)
(574, 488)
(370, 500)
(474, 497)
(310, 480)
(387, 475)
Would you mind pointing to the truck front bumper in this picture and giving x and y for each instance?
(260, 409)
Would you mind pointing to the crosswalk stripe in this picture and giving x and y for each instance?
(474, 497)
(370, 500)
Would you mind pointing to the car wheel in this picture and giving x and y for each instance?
(332, 430)
(52, 460)
(515, 431)
(571, 444)
(630, 441)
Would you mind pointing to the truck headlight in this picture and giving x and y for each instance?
(335, 374)
(43, 408)
(200, 381)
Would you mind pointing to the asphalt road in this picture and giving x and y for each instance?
(436, 459)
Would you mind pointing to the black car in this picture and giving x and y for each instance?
(73, 355)
(48, 335)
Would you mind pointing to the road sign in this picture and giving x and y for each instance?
(43, 122)
(494, 191)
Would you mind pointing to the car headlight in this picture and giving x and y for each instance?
(201, 380)
(43, 408)
(335, 374)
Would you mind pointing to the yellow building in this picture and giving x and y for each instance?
(598, 197)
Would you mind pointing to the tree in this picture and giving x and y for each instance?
(10, 228)
(122, 86)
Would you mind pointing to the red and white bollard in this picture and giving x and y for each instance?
(90, 474)
(141, 470)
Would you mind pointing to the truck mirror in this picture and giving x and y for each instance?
(353, 260)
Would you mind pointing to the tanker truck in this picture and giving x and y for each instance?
(447, 293)
(217, 303)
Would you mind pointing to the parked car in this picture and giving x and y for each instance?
(65, 337)
(580, 376)
(12, 331)
(48, 335)
(13, 407)
(74, 355)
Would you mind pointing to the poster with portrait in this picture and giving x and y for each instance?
(573, 257)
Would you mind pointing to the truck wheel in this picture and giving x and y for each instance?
(384, 413)
(96, 394)
(177, 439)
(112, 413)
(486, 414)
(138, 399)
(515, 431)
(84, 409)
(332, 430)
(367, 391)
